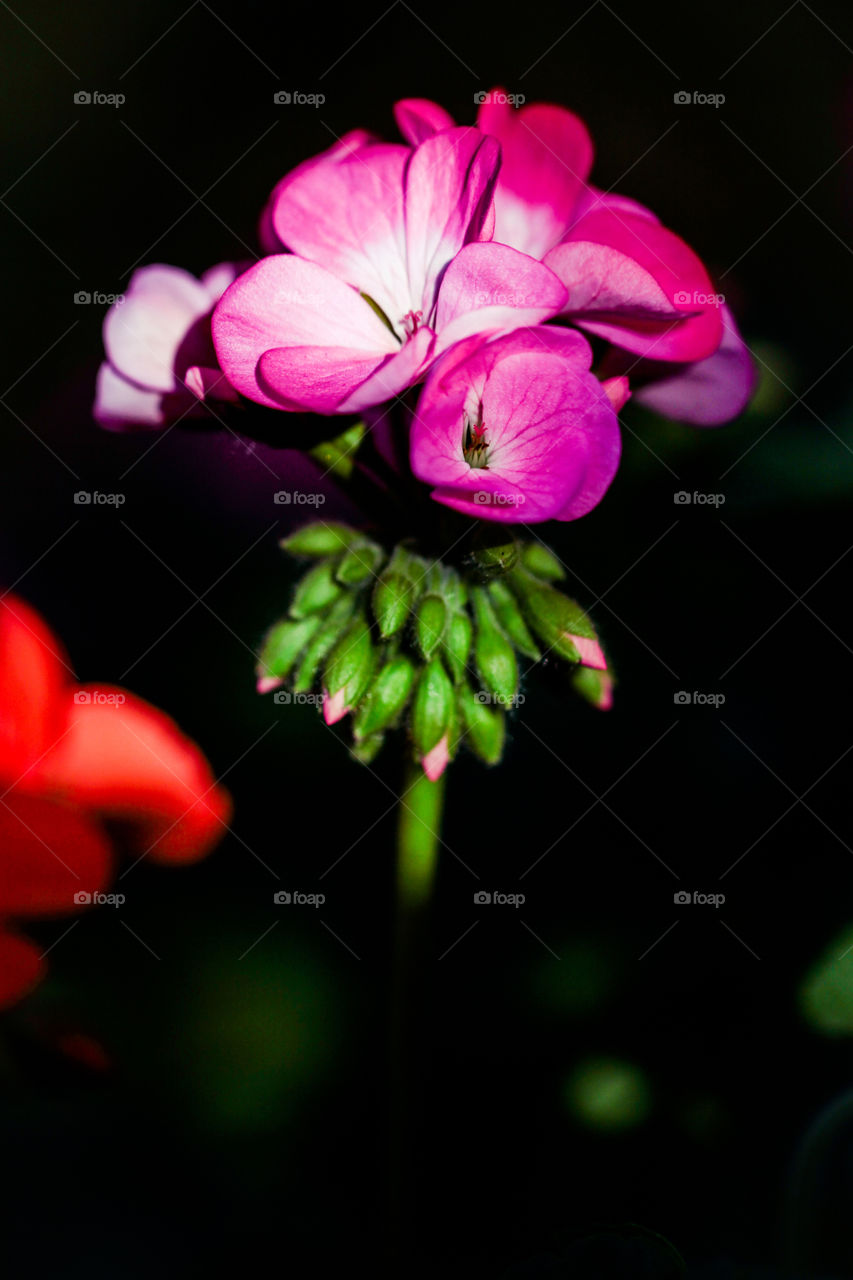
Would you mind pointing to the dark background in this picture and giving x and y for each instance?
(242, 1123)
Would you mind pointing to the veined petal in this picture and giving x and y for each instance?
(394, 374)
(283, 302)
(316, 379)
(345, 145)
(346, 214)
(710, 391)
(492, 287)
(449, 183)
(546, 158)
(418, 119)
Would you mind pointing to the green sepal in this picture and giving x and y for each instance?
(491, 557)
(338, 454)
(316, 590)
(387, 697)
(351, 664)
(365, 750)
(493, 653)
(456, 648)
(551, 615)
(542, 562)
(593, 685)
(320, 538)
(485, 727)
(430, 624)
(323, 641)
(282, 645)
(432, 709)
(509, 616)
(358, 563)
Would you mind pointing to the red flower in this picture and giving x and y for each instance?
(73, 757)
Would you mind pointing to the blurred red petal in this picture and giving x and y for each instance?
(21, 968)
(33, 673)
(50, 853)
(124, 759)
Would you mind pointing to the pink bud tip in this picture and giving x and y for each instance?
(590, 652)
(266, 684)
(617, 391)
(435, 761)
(605, 701)
(335, 707)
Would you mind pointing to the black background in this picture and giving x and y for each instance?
(243, 1124)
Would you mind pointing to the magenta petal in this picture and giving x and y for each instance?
(315, 379)
(546, 158)
(284, 302)
(208, 384)
(711, 391)
(449, 183)
(592, 200)
(638, 285)
(418, 119)
(346, 214)
(392, 377)
(490, 287)
(346, 145)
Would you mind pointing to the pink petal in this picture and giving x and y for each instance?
(709, 392)
(590, 652)
(449, 183)
(209, 384)
(399, 371)
(316, 379)
(345, 145)
(143, 334)
(489, 287)
(546, 158)
(282, 302)
(617, 391)
(638, 285)
(418, 119)
(435, 761)
(346, 214)
(334, 707)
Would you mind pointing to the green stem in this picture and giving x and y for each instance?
(418, 839)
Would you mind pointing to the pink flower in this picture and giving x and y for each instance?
(517, 429)
(160, 361)
(629, 279)
(391, 264)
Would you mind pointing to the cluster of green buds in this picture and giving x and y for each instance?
(394, 638)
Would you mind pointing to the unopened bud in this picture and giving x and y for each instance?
(508, 614)
(282, 645)
(322, 538)
(430, 623)
(457, 644)
(484, 726)
(543, 563)
(493, 653)
(360, 562)
(433, 718)
(595, 686)
(558, 621)
(387, 697)
(348, 671)
(316, 591)
(324, 640)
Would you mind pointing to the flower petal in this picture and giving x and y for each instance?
(143, 334)
(124, 759)
(284, 301)
(346, 145)
(418, 119)
(489, 287)
(399, 371)
(708, 393)
(121, 405)
(638, 285)
(51, 851)
(33, 674)
(546, 157)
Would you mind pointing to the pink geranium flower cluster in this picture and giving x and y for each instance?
(474, 261)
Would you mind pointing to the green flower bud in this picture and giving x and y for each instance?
(457, 644)
(509, 616)
(430, 623)
(397, 591)
(386, 699)
(316, 591)
(358, 563)
(595, 686)
(349, 671)
(282, 645)
(484, 726)
(542, 562)
(366, 750)
(338, 454)
(558, 621)
(493, 653)
(433, 718)
(492, 559)
(453, 589)
(322, 538)
(326, 637)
